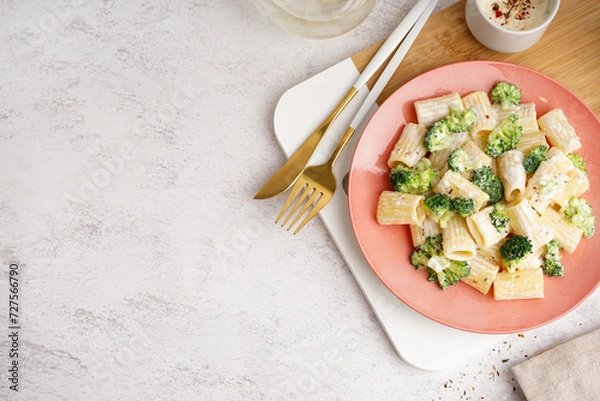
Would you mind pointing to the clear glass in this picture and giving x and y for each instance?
(316, 18)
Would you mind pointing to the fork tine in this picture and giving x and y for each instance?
(296, 191)
(314, 196)
(318, 206)
(306, 193)
(303, 199)
(313, 212)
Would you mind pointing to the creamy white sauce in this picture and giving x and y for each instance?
(516, 15)
(438, 263)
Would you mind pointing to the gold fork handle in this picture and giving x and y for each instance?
(291, 170)
(340, 146)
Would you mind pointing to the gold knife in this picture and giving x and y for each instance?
(287, 175)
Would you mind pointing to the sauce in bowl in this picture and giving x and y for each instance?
(516, 15)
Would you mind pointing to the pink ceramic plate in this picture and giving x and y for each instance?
(387, 248)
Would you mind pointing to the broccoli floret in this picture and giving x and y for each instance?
(438, 136)
(578, 162)
(460, 120)
(440, 208)
(459, 161)
(552, 255)
(415, 180)
(499, 218)
(505, 94)
(579, 212)
(489, 183)
(432, 246)
(534, 158)
(504, 137)
(463, 206)
(446, 271)
(514, 250)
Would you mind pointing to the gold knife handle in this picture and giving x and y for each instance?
(287, 175)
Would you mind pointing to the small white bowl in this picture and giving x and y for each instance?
(500, 39)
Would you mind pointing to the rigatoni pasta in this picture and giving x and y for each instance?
(524, 220)
(559, 132)
(486, 116)
(522, 284)
(457, 242)
(566, 234)
(476, 155)
(453, 184)
(577, 184)
(409, 149)
(482, 275)
(431, 110)
(440, 159)
(482, 229)
(420, 232)
(549, 181)
(526, 113)
(512, 173)
(459, 231)
(531, 140)
(398, 208)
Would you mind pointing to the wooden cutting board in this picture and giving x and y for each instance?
(569, 51)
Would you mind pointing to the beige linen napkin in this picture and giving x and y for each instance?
(568, 371)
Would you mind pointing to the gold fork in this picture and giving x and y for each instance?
(313, 189)
(285, 177)
(316, 184)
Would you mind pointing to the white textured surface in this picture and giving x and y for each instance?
(133, 136)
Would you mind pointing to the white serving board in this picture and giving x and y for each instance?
(299, 111)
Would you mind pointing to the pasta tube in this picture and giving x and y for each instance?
(531, 140)
(524, 220)
(420, 232)
(455, 185)
(513, 175)
(525, 111)
(409, 149)
(457, 241)
(434, 109)
(482, 230)
(522, 284)
(566, 234)
(482, 275)
(559, 132)
(486, 117)
(400, 208)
